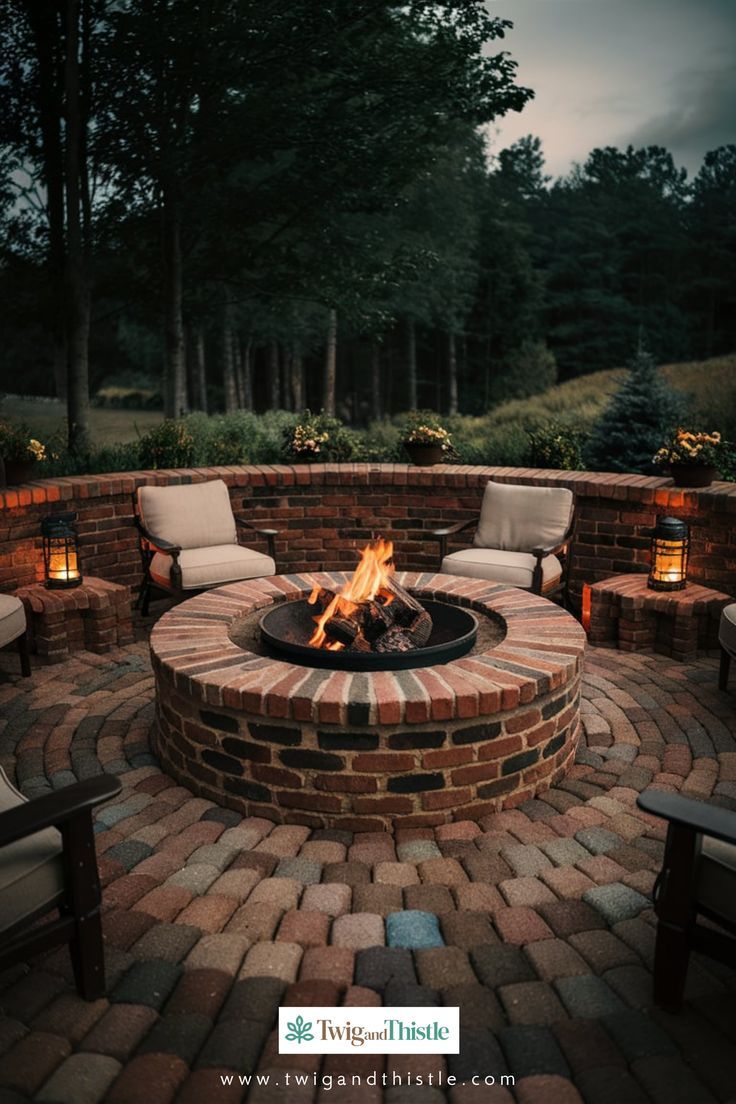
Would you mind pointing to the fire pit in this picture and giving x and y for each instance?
(352, 749)
(371, 624)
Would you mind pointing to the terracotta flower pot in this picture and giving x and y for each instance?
(424, 455)
(19, 471)
(693, 475)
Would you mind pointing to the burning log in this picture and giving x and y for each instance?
(372, 612)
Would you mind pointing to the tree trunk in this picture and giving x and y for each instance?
(375, 380)
(229, 382)
(297, 378)
(246, 361)
(200, 371)
(451, 373)
(238, 367)
(46, 34)
(411, 362)
(286, 397)
(330, 382)
(175, 362)
(274, 388)
(76, 285)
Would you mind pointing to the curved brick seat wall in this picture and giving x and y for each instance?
(324, 512)
(357, 750)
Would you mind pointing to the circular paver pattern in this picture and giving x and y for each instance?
(536, 921)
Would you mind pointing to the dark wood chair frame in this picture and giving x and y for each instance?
(723, 670)
(678, 932)
(540, 554)
(78, 923)
(149, 545)
(24, 651)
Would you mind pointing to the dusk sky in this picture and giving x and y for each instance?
(614, 72)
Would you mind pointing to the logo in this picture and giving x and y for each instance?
(299, 1031)
(339, 1030)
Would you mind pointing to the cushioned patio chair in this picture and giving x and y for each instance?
(48, 863)
(189, 540)
(698, 878)
(522, 538)
(727, 641)
(13, 628)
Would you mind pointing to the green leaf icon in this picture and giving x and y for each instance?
(299, 1031)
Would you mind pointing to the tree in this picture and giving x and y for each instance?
(711, 225)
(47, 93)
(636, 421)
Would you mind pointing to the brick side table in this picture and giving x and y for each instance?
(678, 623)
(95, 616)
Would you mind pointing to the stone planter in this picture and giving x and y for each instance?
(693, 475)
(424, 455)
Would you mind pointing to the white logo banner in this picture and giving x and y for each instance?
(328, 1030)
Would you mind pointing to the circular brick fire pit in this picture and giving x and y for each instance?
(360, 749)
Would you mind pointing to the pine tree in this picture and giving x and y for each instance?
(636, 421)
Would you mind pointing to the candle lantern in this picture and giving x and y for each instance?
(670, 546)
(60, 552)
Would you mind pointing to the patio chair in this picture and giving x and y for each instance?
(188, 540)
(47, 863)
(522, 538)
(698, 878)
(13, 628)
(727, 641)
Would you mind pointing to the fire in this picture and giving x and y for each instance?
(368, 582)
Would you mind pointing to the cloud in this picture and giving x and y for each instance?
(702, 114)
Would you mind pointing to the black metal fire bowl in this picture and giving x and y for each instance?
(286, 628)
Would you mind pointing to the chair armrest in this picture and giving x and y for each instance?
(269, 534)
(452, 529)
(158, 543)
(56, 809)
(699, 816)
(553, 549)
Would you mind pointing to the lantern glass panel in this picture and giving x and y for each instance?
(670, 545)
(60, 555)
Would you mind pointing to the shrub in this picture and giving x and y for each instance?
(636, 421)
(169, 445)
(525, 371)
(16, 443)
(556, 445)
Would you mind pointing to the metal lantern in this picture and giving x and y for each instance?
(60, 552)
(670, 547)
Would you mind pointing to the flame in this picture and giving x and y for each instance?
(369, 578)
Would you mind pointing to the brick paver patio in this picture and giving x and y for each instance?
(536, 921)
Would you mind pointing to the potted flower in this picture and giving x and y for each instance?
(305, 441)
(693, 458)
(426, 440)
(20, 453)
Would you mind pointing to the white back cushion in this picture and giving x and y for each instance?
(517, 519)
(193, 515)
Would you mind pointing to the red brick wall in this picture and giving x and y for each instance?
(325, 512)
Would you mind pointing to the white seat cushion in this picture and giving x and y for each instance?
(12, 619)
(518, 518)
(727, 628)
(193, 515)
(31, 870)
(716, 882)
(515, 568)
(209, 567)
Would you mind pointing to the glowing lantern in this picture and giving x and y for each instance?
(670, 546)
(60, 552)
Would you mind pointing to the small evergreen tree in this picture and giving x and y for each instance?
(636, 421)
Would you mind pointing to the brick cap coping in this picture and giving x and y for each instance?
(92, 593)
(632, 592)
(542, 650)
(657, 490)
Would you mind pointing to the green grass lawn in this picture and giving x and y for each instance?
(47, 417)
